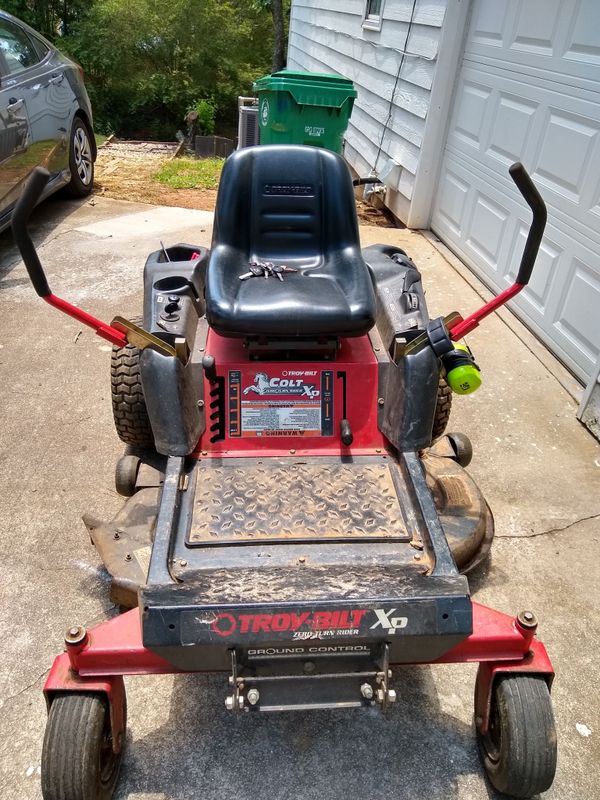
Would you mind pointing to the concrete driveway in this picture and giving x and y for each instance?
(539, 469)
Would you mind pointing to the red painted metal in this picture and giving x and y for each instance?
(496, 637)
(355, 357)
(101, 328)
(114, 648)
(63, 679)
(460, 329)
(535, 662)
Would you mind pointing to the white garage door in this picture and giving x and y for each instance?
(529, 90)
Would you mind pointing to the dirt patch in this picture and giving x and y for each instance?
(126, 170)
(367, 215)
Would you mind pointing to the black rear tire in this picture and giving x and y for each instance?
(442, 409)
(128, 403)
(519, 749)
(78, 760)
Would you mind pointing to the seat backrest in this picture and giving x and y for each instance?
(286, 203)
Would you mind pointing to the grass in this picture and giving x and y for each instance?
(191, 173)
(100, 139)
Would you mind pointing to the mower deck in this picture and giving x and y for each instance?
(318, 511)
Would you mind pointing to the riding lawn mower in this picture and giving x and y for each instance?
(296, 519)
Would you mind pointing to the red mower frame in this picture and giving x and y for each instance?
(98, 659)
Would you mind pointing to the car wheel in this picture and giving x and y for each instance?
(81, 161)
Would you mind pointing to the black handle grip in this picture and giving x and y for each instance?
(25, 205)
(534, 200)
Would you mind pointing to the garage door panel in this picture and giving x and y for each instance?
(452, 200)
(536, 26)
(529, 90)
(487, 230)
(553, 39)
(513, 122)
(484, 228)
(575, 219)
(492, 244)
(594, 204)
(583, 40)
(471, 113)
(488, 23)
(549, 305)
(565, 151)
(556, 135)
(545, 273)
(578, 318)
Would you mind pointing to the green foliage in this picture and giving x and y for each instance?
(52, 18)
(148, 61)
(191, 173)
(206, 111)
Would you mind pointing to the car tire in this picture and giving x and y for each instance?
(81, 160)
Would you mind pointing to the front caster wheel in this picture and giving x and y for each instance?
(126, 473)
(519, 749)
(463, 449)
(78, 760)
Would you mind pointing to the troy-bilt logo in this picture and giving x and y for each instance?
(388, 623)
(225, 624)
(281, 386)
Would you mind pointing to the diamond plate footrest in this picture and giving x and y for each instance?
(299, 502)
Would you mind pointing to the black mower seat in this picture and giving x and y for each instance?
(292, 206)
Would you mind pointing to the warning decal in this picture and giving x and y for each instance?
(280, 402)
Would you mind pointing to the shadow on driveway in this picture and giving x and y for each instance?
(44, 221)
(413, 752)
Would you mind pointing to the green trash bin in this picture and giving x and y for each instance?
(304, 108)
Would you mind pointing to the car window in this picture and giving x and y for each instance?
(17, 48)
(41, 47)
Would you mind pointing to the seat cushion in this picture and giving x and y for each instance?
(291, 206)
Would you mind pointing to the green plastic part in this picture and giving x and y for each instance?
(464, 379)
(304, 108)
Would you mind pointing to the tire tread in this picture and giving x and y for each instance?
(127, 394)
(527, 761)
(70, 763)
(442, 409)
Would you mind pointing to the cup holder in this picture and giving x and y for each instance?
(174, 283)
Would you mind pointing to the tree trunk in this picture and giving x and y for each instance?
(279, 58)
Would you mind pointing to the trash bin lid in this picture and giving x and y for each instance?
(309, 88)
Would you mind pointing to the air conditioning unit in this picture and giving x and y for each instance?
(247, 122)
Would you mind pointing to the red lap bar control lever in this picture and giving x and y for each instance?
(25, 205)
(534, 200)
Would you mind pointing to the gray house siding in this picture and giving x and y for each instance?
(325, 38)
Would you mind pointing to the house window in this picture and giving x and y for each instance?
(373, 15)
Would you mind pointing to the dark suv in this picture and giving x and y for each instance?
(45, 116)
